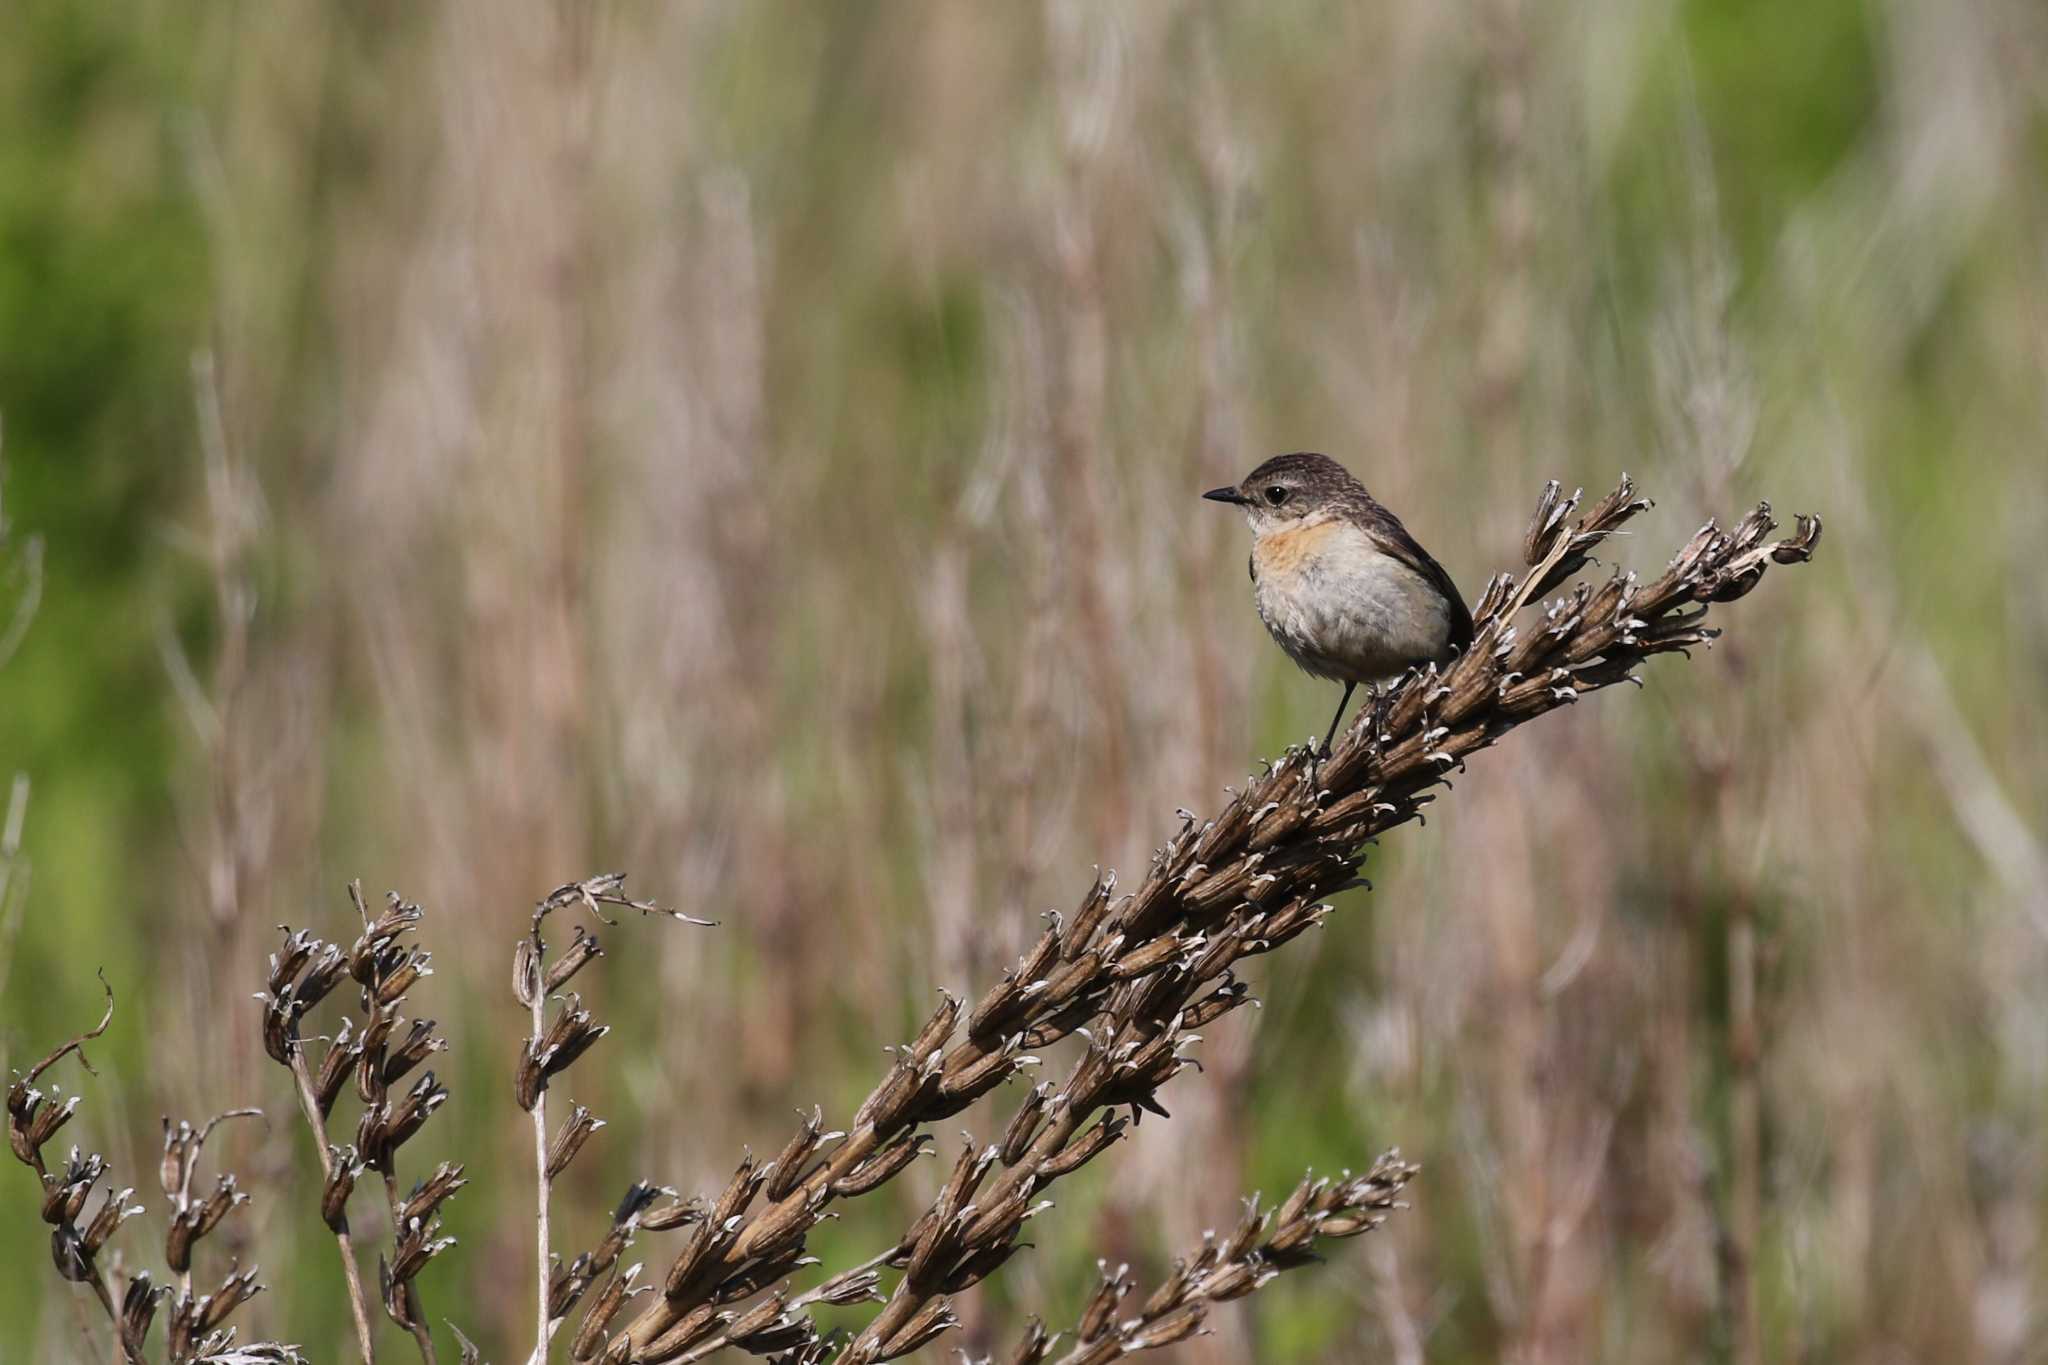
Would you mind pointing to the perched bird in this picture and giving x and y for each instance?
(1339, 581)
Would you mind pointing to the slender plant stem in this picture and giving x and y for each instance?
(359, 1306)
(543, 1328)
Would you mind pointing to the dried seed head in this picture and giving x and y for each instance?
(343, 1057)
(526, 982)
(420, 1043)
(597, 1319)
(1178, 1325)
(581, 952)
(181, 1151)
(33, 1120)
(237, 1289)
(569, 1139)
(739, 1191)
(138, 1310)
(400, 973)
(1024, 1123)
(114, 1210)
(851, 1287)
(428, 1195)
(1102, 1305)
(930, 1322)
(195, 1220)
(882, 1167)
(676, 1214)
(341, 1182)
(417, 1245)
(567, 1284)
(787, 1170)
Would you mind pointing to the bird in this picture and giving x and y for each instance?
(1345, 590)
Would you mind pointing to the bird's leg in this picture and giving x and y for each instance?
(1349, 688)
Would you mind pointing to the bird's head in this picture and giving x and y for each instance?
(1288, 489)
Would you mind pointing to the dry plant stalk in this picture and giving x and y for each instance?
(1129, 977)
(377, 1054)
(1134, 976)
(551, 1049)
(197, 1332)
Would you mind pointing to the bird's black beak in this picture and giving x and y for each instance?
(1226, 495)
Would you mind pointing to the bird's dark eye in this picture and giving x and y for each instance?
(1275, 495)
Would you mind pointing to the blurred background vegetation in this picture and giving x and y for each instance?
(473, 445)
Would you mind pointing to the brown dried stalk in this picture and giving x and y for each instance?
(197, 1332)
(1261, 1247)
(1133, 976)
(378, 1054)
(551, 1049)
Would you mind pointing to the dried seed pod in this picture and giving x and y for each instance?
(34, 1121)
(974, 1081)
(581, 952)
(567, 1286)
(1178, 1325)
(400, 974)
(369, 1054)
(991, 1018)
(597, 1319)
(739, 1191)
(707, 1246)
(787, 1171)
(576, 1130)
(692, 1328)
(1024, 1123)
(677, 1214)
(196, 1220)
(526, 978)
(882, 1167)
(237, 1289)
(114, 1210)
(1083, 1149)
(419, 1044)
(930, 1322)
(937, 1029)
(850, 1287)
(1033, 1347)
(341, 1183)
(428, 1195)
(138, 1310)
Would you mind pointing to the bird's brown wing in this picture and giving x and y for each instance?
(1409, 551)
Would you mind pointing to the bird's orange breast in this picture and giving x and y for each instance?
(1283, 554)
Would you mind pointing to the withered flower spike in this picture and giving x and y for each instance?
(1219, 890)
